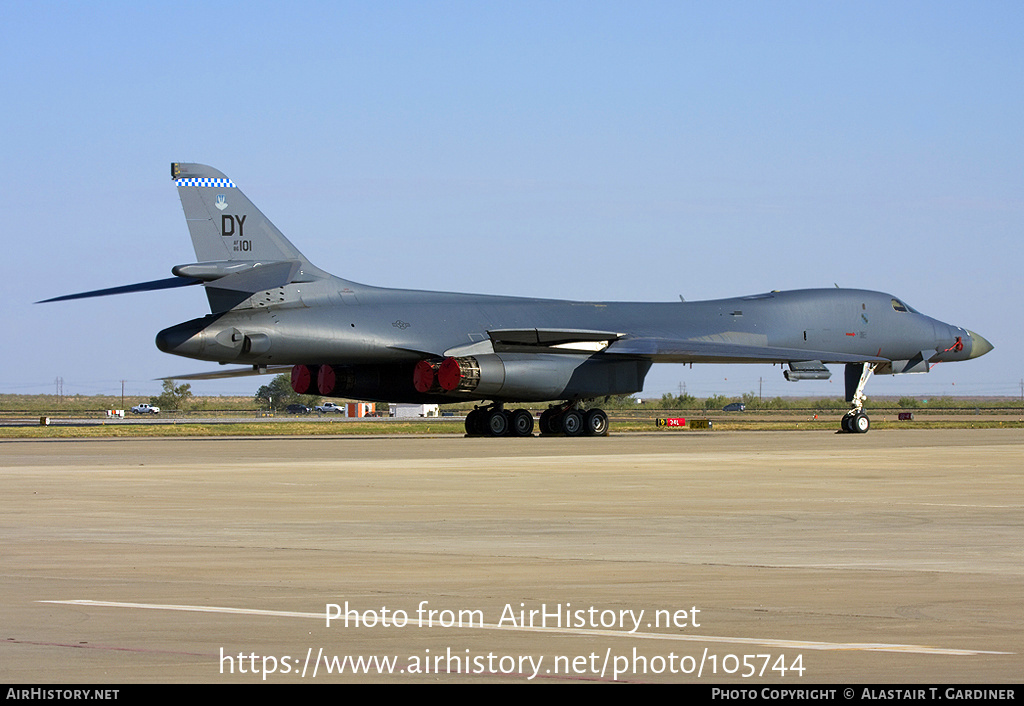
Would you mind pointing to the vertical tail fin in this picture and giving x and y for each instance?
(223, 223)
(239, 251)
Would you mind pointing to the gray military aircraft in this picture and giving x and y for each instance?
(273, 310)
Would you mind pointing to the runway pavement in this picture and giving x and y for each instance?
(782, 557)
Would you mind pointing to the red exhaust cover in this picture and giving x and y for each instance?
(326, 380)
(302, 379)
(449, 374)
(423, 376)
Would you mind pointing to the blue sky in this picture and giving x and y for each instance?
(588, 150)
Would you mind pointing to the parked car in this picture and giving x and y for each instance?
(734, 407)
(145, 409)
(330, 407)
(297, 409)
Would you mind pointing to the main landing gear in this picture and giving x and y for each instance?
(495, 420)
(855, 421)
(569, 420)
(564, 419)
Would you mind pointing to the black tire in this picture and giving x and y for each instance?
(595, 423)
(522, 423)
(860, 423)
(471, 422)
(547, 422)
(497, 422)
(571, 423)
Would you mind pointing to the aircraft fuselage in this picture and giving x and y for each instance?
(336, 322)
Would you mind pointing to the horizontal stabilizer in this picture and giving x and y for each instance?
(233, 373)
(169, 283)
(245, 277)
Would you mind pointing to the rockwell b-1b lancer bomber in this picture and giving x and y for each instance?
(273, 310)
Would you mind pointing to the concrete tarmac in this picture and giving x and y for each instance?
(781, 557)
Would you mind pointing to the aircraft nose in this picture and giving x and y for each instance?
(979, 345)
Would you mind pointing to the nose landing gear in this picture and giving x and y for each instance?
(855, 421)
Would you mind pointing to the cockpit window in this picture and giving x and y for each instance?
(900, 306)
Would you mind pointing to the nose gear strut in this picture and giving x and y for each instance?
(855, 421)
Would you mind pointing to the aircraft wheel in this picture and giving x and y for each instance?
(595, 423)
(548, 422)
(522, 423)
(497, 423)
(572, 423)
(844, 423)
(860, 423)
(471, 422)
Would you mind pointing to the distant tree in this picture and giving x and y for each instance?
(717, 402)
(278, 394)
(619, 402)
(174, 397)
(830, 404)
(683, 401)
(751, 400)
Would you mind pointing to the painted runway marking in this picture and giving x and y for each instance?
(764, 642)
(111, 648)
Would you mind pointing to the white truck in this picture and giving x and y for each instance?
(328, 407)
(145, 408)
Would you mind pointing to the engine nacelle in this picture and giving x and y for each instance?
(536, 377)
(424, 377)
(511, 377)
(373, 383)
(482, 375)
